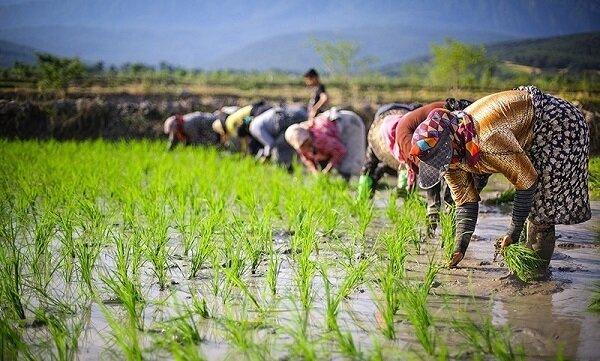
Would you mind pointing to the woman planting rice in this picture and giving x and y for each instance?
(237, 125)
(269, 129)
(193, 128)
(336, 138)
(389, 146)
(538, 141)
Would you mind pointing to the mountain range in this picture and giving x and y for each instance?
(265, 34)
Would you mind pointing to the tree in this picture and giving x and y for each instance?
(457, 64)
(58, 73)
(341, 57)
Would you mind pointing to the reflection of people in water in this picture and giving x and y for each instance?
(539, 142)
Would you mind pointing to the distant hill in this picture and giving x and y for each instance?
(576, 52)
(11, 52)
(201, 33)
(294, 52)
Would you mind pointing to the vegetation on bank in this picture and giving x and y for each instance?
(454, 65)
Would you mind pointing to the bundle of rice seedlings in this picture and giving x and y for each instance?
(522, 261)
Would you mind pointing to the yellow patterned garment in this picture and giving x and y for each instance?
(235, 120)
(503, 122)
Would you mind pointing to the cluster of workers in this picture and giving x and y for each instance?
(448, 148)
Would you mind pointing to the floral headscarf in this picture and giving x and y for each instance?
(465, 144)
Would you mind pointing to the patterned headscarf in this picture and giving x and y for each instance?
(465, 144)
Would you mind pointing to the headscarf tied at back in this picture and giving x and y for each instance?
(465, 144)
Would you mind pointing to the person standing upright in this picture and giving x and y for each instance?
(319, 97)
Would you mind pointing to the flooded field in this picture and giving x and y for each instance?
(124, 251)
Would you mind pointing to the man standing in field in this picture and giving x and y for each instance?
(319, 97)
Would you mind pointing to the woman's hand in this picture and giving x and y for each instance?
(504, 241)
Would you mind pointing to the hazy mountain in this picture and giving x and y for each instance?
(199, 33)
(388, 44)
(11, 52)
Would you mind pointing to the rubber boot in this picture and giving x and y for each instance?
(541, 238)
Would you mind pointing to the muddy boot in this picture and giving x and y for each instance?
(541, 238)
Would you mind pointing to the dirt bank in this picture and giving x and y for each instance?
(130, 116)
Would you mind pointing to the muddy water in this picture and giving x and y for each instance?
(544, 316)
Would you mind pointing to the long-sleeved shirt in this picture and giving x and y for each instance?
(326, 142)
(235, 120)
(268, 126)
(197, 129)
(504, 123)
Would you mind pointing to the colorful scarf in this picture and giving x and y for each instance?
(465, 145)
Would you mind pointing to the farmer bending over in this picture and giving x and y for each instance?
(336, 139)
(269, 129)
(191, 129)
(536, 140)
(388, 151)
(237, 125)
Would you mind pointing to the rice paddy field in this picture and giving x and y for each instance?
(120, 250)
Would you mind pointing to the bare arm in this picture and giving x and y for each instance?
(323, 99)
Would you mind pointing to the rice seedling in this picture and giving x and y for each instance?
(483, 338)
(303, 278)
(186, 352)
(129, 294)
(364, 215)
(447, 234)
(87, 254)
(302, 347)
(273, 269)
(522, 261)
(239, 333)
(332, 302)
(157, 252)
(65, 334)
(12, 344)
(41, 264)
(389, 305)
(67, 232)
(126, 335)
(11, 281)
(203, 247)
(395, 246)
(414, 303)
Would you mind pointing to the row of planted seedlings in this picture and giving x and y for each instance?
(127, 250)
